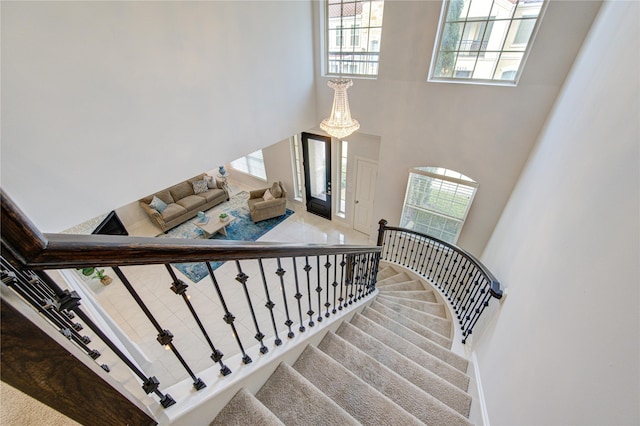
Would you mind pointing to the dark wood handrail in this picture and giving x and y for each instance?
(35, 250)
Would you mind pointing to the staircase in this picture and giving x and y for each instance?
(390, 365)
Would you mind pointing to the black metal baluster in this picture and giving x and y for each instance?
(472, 292)
(466, 295)
(327, 266)
(269, 305)
(469, 330)
(228, 317)
(335, 282)
(415, 251)
(474, 301)
(307, 269)
(464, 275)
(403, 249)
(319, 290)
(394, 246)
(165, 338)
(280, 273)
(242, 278)
(442, 265)
(351, 265)
(298, 295)
(424, 245)
(463, 291)
(428, 257)
(70, 301)
(48, 308)
(452, 272)
(342, 288)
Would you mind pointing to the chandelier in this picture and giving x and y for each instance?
(340, 124)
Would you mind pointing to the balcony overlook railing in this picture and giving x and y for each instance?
(297, 286)
(465, 282)
(285, 289)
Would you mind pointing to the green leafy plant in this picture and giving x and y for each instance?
(93, 273)
(223, 215)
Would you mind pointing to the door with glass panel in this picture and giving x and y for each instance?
(316, 151)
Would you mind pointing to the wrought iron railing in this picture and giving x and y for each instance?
(308, 282)
(466, 283)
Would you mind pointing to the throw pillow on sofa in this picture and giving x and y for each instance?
(200, 186)
(157, 204)
(267, 196)
(275, 190)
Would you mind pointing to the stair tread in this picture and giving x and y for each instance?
(297, 401)
(421, 356)
(438, 324)
(387, 271)
(414, 285)
(425, 379)
(433, 308)
(416, 338)
(363, 402)
(404, 393)
(411, 324)
(425, 295)
(245, 409)
(398, 277)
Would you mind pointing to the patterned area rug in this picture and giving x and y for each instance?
(242, 229)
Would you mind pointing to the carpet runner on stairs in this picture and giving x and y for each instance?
(391, 364)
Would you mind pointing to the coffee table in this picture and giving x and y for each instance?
(215, 225)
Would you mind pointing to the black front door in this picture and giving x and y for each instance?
(316, 151)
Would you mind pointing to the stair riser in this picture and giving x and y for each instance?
(413, 325)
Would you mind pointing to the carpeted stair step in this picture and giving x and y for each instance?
(386, 272)
(424, 358)
(414, 285)
(432, 308)
(296, 401)
(411, 324)
(361, 401)
(426, 380)
(400, 277)
(438, 324)
(245, 409)
(424, 295)
(404, 393)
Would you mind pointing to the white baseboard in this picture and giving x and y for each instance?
(481, 401)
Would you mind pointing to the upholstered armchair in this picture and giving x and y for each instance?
(268, 202)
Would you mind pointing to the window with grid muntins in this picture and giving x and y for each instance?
(352, 38)
(485, 40)
(252, 164)
(437, 202)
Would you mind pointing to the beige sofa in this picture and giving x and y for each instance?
(262, 209)
(178, 203)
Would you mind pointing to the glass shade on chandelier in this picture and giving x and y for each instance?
(340, 124)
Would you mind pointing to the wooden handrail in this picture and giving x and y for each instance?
(35, 250)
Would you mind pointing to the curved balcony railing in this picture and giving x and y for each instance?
(308, 283)
(466, 283)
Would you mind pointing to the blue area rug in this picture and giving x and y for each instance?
(242, 229)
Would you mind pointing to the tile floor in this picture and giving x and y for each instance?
(153, 285)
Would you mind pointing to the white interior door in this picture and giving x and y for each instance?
(366, 173)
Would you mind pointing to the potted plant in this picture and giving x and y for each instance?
(224, 217)
(97, 273)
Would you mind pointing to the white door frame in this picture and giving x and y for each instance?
(363, 197)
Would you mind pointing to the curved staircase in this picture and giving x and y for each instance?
(392, 364)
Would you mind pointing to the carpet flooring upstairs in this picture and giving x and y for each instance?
(390, 365)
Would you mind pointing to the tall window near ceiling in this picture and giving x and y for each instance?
(484, 41)
(252, 164)
(342, 196)
(296, 162)
(437, 202)
(352, 38)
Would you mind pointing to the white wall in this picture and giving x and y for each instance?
(484, 132)
(564, 348)
(105, 102)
